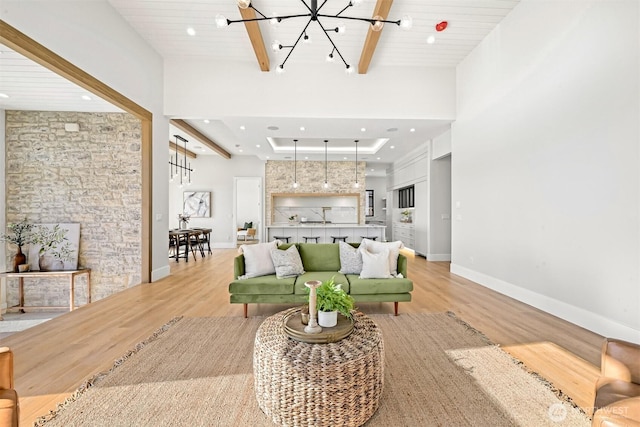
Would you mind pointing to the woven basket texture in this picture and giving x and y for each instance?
(303, 384)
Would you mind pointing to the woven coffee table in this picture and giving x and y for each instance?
(303, 384)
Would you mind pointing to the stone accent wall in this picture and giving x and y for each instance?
(91, 177)
(310, 175)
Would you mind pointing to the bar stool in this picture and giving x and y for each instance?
(370, 238)
(285, 238)
(343, 238)
(307, 238)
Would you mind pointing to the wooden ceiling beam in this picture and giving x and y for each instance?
(195, 133)
(181, 150)
(255, 35)
(382, 9)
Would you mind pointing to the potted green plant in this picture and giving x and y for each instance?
(55, 248)
(20, 235)
(331, 300)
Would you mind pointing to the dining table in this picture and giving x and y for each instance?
(191, 239)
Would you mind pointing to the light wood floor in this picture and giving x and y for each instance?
(52, 359)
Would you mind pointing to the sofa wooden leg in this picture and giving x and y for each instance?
(246, 309)
(395, 307)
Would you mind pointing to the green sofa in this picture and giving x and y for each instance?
(321, 262)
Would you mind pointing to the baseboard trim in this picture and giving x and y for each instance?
(438, 257)
(160, 273)
(576, 315)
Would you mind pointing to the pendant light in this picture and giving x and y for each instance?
(326, 169)
(357, 184)
(295, 163)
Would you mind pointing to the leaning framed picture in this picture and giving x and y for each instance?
(197, 204)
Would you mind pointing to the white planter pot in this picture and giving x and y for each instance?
(327, 319)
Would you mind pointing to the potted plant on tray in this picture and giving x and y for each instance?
(331, 299)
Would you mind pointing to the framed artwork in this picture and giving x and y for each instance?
(55, 247)
(197, 204)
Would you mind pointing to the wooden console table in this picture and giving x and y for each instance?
(61, 273)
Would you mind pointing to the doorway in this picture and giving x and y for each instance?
(248, 195)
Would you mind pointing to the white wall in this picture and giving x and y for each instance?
(439, 236)
(192, 84)
(545, 162)
(93, 37)
(215, 174)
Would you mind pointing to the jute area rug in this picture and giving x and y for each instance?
(439, 371)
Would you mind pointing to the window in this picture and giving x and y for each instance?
(405, 197)
(368, 210)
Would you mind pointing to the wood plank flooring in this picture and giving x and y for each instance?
(52, 359)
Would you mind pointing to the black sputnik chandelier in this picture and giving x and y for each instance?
(314, 15)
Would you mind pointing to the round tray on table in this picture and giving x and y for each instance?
(294, 328)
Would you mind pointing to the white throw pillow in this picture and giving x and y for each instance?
(392, 247)
(350, 259)
(257, 259)
(375, 265)
(287, 262)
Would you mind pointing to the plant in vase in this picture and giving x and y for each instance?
(55, 248)
(20, 236)
(331, 300)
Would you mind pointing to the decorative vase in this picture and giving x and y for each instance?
(48, 262)
(327, 319)
(20, 258)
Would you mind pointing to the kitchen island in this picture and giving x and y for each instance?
(324, 232)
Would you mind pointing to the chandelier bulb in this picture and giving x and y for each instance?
(326, 184)
(275, 20)
(243, 4)
(275, 46)
(280, 69)
(341, 29)
(349, 69)
(330, 58)
(406, 23)
(356, 185)
(221, 21)
(355, 2)
(377, 24)
(295, 185)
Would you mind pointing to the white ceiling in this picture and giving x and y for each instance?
(163, 24)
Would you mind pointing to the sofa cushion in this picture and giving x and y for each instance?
(320, 256)
(375, 265)
(287, 262)
(323, 276)
(392, 247)
(257, 259)
(359, 286)
(268, 284)
(350, 259)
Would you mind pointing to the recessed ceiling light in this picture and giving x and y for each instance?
(3, 95)
(257, 145)
(240, 150)
(197, 147)
(86, 97)
(431, 39)
(363, 129)
(242, 127)
(266, 157)
(306, 158)
(273, 128)
(344, 158)
(191, 31)
(302, 128)
(412, 130)
(377, 158)
(207, 121)
(372, 170)
(392, 129)
(392, 147)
